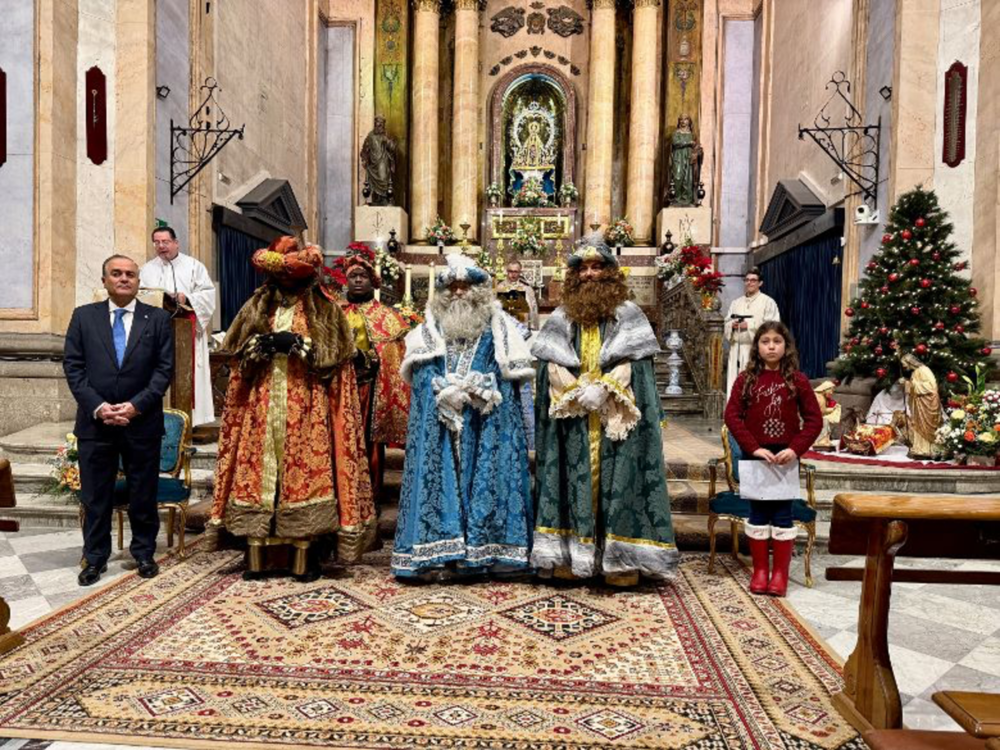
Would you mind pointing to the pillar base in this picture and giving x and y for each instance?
(373, 223)
(684, 222)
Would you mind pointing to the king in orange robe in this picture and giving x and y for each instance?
(291, 451)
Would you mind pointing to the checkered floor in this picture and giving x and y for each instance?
(941, 637)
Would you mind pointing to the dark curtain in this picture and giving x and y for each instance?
(237, 277)
(805, 282)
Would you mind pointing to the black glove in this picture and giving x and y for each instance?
(278, 343)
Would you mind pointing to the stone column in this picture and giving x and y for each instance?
(464, 151)
(600, 114)
(643, 123)
(424, 164)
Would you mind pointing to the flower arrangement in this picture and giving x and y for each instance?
(568, 194)
(693, 263)
(494, 193)
(410, 313)
(527, 239)
(440, 232)
(972, 425)
(531, 194)
(492, 263)
(620, 233)
(388, 267)
(65, 475)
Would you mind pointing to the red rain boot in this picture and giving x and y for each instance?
(784, 542)
(759, 538)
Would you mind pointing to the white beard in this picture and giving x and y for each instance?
(463, 317)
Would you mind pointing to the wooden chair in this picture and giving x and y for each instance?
(977, 713)
(729, 506)
(172, 491)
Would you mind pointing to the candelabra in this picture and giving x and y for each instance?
(674, 343)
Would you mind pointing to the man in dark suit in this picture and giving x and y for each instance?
(119, 360)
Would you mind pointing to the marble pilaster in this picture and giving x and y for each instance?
(600, 114)
(986, 200)
(643, 136)
(464, 122)
(424, 143)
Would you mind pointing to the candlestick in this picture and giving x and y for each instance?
(430, 284)
(406, 283)
(378, 272)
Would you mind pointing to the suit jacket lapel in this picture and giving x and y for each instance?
(139, 319)
(103, 326)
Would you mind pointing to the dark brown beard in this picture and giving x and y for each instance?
(590, 302)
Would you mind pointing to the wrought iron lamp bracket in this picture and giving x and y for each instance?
(193, 147)
(853, 146)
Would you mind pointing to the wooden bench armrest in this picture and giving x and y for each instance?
(977, 713)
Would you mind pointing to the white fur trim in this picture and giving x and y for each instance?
(757, 532)
(780, 534)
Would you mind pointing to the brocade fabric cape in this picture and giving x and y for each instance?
(386, 330)
(291, 451)
(601, 487)
(466, 494)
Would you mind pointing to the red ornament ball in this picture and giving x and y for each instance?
(872, 265)
(936, 255)
(893, 276)
(914, 261)
(884, 289)
(925, 283)
(954, 309)
(884, 330)
(920, 222)
(939, 326)
(848, 348)
(854, 341)
(864, 305)
(849, 312)
(886, 239)
(881, 372)
(973, 291)
(951, 377)
(959, 328)
(879, 350)
(987, 351)
(915, 310)
(920, 349)
(907, 234)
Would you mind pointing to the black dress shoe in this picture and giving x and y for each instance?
(91, 574)
(148, 569)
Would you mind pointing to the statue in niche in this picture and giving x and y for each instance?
(686, 188)
(378, 157)
(533, 149)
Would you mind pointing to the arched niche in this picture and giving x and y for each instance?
(508, 86)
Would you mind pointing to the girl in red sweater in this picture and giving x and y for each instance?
(773, 416)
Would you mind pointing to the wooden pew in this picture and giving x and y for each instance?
(977, 713)
(882, 527)
(8, 639)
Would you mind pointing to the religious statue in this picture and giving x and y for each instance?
(378, 157)
(923, 406)
(830, 410)
(533, 149)
(686, 153)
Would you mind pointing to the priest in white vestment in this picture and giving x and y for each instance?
(739, 332)
(187, 280)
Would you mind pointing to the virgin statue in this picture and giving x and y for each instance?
(685, 164)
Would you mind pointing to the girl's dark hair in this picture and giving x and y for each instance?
(789, 365)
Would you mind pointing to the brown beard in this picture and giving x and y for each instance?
(590, 302)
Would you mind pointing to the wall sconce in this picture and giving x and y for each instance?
(162, 92)
(886, 92)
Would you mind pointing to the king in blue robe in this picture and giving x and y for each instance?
(466, 503)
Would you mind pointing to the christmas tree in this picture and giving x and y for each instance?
(912, 299)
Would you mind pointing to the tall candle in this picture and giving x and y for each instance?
(430, 283)
(378, 292)
(406, 283)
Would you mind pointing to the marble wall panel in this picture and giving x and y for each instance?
(955, 187)
(17, 30)
(737, 113)
(337, 128)
(95, 231)
(173, 70)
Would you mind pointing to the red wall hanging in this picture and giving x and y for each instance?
(955, 94)
(3, 117)
(96, 110)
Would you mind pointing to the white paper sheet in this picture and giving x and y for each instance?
(760, 480)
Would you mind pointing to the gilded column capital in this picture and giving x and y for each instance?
(475, 5)
(646, 4)
(430, 6)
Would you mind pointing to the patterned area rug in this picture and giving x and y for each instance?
(197, 658)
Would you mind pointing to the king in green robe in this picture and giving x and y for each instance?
(601, 487)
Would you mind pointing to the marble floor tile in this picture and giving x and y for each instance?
(824, 609)
(56, 581)
(13, 588)
(980, 565)
(26, 611)
(5, 548)
(947, 611)
(37, 562)
(987, 596)
(61, 539)
(926, 637)
(964, 678)
(920, 713)
(843, 643)
(915, 672)
(985, 657)
(12, 565)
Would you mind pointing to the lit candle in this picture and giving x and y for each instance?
(406, 283)
(430, 283)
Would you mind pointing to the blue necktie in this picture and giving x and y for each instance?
(118, 334)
